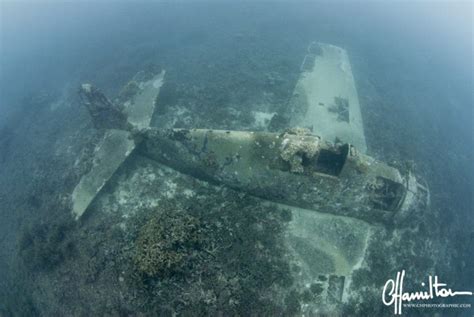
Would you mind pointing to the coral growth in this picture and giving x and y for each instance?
(165, 242)
(295, 147)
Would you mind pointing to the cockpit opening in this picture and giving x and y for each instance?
(329, 161)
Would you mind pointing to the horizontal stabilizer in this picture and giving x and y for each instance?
(139, 109)
(109, 155)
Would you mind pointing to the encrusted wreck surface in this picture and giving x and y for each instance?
(293, 167)
(104, 113)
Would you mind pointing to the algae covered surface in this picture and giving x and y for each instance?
(158, 242)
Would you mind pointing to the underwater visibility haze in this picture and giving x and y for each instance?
(235, 158)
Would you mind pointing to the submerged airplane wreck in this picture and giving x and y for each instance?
(318, 168)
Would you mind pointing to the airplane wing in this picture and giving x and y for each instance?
(325, 98)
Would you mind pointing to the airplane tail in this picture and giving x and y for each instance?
(119, 120)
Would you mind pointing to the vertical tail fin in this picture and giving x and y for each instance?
(104, 113)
